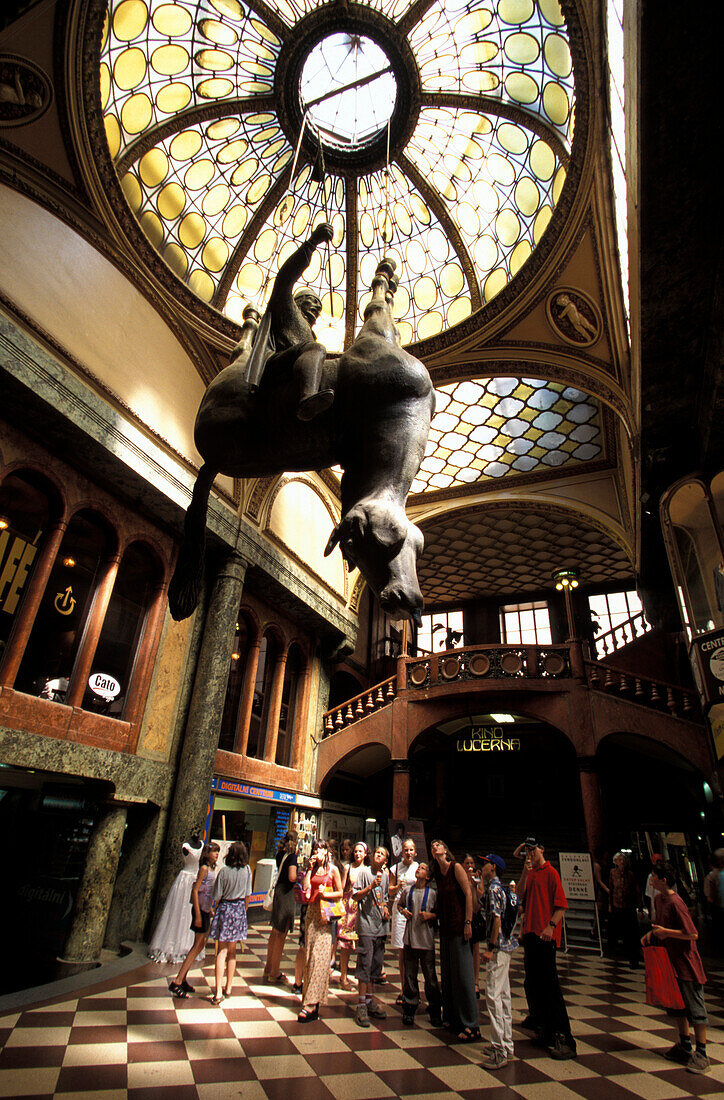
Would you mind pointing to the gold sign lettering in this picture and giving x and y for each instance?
(488, 744)
(15, 570)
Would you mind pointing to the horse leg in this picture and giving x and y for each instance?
(308, 368)
(188, 577)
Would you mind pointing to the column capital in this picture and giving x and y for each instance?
(401, 765)
(588, 764)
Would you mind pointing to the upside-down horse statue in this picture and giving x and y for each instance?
(283, 405)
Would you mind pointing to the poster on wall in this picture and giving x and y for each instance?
(400, 831)
(577, 876)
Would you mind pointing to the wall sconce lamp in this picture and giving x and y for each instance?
(69, 563)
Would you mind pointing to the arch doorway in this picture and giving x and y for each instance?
(485, 782)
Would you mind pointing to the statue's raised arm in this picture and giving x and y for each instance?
(286, 340)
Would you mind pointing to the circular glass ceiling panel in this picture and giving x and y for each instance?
(348, 90)
(207, 164)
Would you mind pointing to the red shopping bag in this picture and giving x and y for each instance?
(662, 988)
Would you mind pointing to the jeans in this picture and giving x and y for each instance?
(542, 989)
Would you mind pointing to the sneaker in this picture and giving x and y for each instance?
(408, 1020)
(561, 1049)
(698, 1063)
(678, 1054)
(362, 1016)
(376, 1011)
(495, 1060)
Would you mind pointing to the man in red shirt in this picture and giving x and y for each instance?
(544, 904)
(674, 928)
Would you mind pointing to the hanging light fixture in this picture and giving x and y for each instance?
(566, 578)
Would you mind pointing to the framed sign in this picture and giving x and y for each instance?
(577, 876)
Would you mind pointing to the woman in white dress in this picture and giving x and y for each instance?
(402, 876)
(173, 938)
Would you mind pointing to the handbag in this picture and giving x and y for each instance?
(332, 910)
(268, 902)
(662, 988)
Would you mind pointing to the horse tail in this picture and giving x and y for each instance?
(188, 577)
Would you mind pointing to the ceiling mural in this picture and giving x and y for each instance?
(437, 133)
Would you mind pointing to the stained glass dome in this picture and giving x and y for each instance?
(436, 132)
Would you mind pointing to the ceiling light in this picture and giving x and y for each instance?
(501, 718)
(4, 523)
(69, 563)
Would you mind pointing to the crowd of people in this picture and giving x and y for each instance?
(462, 912)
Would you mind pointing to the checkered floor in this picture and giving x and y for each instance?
(129, 1038)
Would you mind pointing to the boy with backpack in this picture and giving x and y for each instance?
(500, 906)
(418, 906)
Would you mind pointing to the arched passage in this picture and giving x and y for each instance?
(486, 781)
(362, 779)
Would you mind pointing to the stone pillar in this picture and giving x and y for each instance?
(247, 697)
(275, 708)
(301, 725)
(93, 899)
(401, 790)
(203, 726)
(591, 798)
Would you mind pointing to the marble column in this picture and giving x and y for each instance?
(201, 738)
(401, 790)
(93, 899)
(591, 798)
(275, 710)
(247, 697)
(92, 632)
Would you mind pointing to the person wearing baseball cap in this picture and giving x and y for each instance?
(544, 904)
(500, 947)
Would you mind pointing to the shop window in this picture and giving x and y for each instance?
(290, 702)
(120, 637)
(261, 701)
(28, 504)
(525, 624)
(50, 654)
(443, 630)
(235, 686)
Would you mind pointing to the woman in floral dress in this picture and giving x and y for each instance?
(321, 883)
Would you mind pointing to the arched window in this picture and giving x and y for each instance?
(268, 653)
(115, 655)
(235, 686)
(28, 506)
(50, 654)
(290, 706)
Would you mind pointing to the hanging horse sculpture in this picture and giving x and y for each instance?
(257, 420)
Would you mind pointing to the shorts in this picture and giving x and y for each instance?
(370, 957)
(694, 1007)
(205, 921)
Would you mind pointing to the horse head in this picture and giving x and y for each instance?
(378, 538)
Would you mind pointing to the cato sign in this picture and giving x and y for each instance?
(104, 685)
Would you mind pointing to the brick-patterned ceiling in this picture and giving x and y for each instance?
(492, 551)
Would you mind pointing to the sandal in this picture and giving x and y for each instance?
(216, 999)
(308, 1014)
(177, 991)
(469, 1035)
(281, 979)
(345, 983)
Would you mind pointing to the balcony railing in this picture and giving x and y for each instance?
(623, 634)
(374, 698)
(488, 662)
(679, 701)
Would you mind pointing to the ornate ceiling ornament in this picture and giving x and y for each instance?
(574, 316)
(25, 91)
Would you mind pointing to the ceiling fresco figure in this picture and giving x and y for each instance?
(376, 430)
